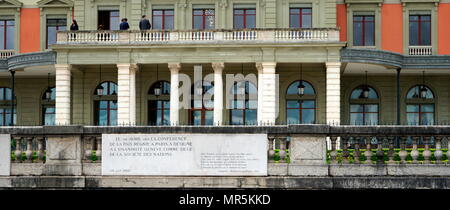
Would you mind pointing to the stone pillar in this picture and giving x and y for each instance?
(62, 101)
(308, 155)
(267, 93)
(333, 93)
(63, 156)
(218, 92)
(126, 94)
(174, 93)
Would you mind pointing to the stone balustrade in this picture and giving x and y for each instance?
(390, 149)
(6, 53)
(420, 50)
(292, 150)
(197, 36)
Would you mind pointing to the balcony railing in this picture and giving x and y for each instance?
(420, 50)
(197, 36)
(7, 53)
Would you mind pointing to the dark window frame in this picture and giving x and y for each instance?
(420, 21)
(300, 14)
(204, 16)
(245, 15)
(47, 26)
(365, 102)
(203, 110)
(306, 97)
(5, 33)
(5, 107)
(48, 104)
(164, 97)
(107, 96)
(163, 19)
(363, 22)
(246, 105)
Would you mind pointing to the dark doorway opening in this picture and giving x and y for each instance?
(108, 20)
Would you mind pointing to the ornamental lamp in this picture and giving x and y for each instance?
(423, 92)
(301, 89)
(100, 90)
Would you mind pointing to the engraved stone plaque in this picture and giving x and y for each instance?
(184, 154)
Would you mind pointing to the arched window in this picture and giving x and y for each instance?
(159, 103)
(300, 103)
(364, 106)
(244, 107)
(420, 106)
(48, 106)
(105, 104)
(5, 107)
(202, 111)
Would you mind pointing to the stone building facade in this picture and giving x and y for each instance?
(357, 62)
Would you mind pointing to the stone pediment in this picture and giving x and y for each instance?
(10, 4)
(55, 3)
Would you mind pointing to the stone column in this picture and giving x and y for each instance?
(174, 93)
(333, 93)
(267, 93)
(62, 101)
(126, 94)
(218, 92)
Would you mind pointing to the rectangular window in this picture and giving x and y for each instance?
(419, 30)
(364, 114)
(300, 17)
(6, 34)
(203, 19)
(364, 30)
(53, 26)
(420, 114)
(162, 18)
(244, 18)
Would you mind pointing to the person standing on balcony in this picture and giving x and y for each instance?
(124, 24)
(74, 26)
(144, 24)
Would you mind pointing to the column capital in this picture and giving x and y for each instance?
(266, 67)
(219, 66)
(333, 64)
(174, 67)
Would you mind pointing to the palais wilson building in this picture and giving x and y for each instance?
(357, 62)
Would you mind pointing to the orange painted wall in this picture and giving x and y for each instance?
(392, 28)
(342, 20)
(29, 30)
(444, 29)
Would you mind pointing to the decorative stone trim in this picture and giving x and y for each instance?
(28, 59)
(394, 60)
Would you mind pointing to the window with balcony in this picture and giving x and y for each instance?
(300, 107)
(244, 107)
(7, 34)
(203, 18)
(420, 106)
(202, 105)
(48, 106)
(108, 20)
(364, 106)
(163, 18)
(244, 18)
(105, 104)
(300, 17)
(5, 107)
(420, 30)
(364, 30)
(53, 26)
(159, 103)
